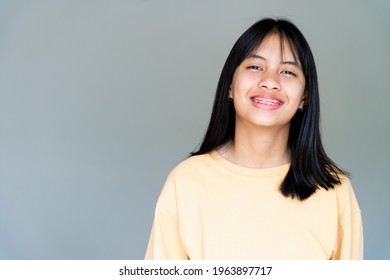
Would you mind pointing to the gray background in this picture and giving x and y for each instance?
(99, 100)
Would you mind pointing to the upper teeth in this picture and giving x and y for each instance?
(267, 101)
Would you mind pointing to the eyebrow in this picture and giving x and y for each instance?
(293, 63)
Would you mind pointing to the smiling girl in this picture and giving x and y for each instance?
(261, 185)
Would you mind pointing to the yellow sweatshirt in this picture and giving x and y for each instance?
(211, 208)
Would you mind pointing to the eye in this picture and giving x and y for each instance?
(254, 67)
(289, 73)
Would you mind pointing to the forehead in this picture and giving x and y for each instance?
(277, 45)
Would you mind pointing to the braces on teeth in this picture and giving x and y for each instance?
(267, 102)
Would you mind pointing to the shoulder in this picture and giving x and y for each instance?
(192, 166)
(344, 190)
(185, 182)
(190, 171)
(346, 198)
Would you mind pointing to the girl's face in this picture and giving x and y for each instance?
(268, 86)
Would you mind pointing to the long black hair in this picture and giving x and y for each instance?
(310, 168)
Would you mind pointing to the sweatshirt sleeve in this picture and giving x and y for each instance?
(165, 241)
(350, 233)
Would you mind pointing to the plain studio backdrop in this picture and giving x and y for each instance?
(99, 100)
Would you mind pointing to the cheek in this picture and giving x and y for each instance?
(299, 92)
(240, 86)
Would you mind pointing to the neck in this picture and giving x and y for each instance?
(263, 147)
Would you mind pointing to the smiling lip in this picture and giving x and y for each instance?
(265, 102)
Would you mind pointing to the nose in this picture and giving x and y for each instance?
(269, 81)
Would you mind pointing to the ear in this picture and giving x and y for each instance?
(230, 93)
(302, 104)
(303, 101)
